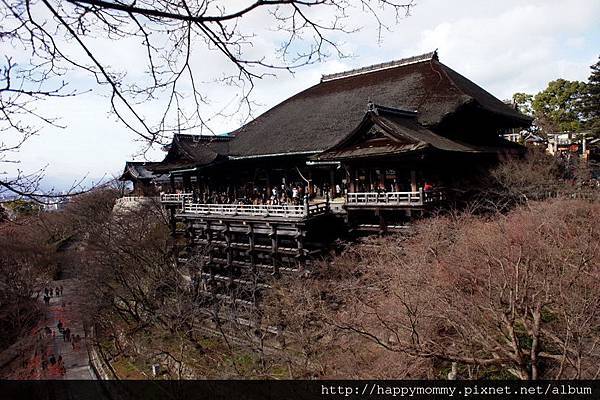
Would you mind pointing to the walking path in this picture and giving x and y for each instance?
(40, 346)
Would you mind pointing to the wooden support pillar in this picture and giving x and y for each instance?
(382, 222)
(251, 252)
(269, 187)
(397, 181)
(190, 234)
(209, 249)
(274, 249)
(332, 182)
(187, 183)
(413, 180)
(229, 250)
(172, 220)
(300, 244)
(351, 179)
(172, 181)
(199, 189)
(306, 205)
(311, 185)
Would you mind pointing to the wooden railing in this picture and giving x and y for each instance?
(175, 197)
(317, 208)
(284, 211)
(433, 196)
(136, 199)
(394, 198)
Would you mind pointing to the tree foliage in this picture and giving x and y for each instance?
(564, 106)
(591, 102)
(558, 108)
(523, 102)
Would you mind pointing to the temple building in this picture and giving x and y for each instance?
(387, 128)
(375, 145)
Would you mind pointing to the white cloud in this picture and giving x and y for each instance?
(504, 46)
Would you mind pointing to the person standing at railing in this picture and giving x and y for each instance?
(380, 190)
(274, 196)
(427, 192)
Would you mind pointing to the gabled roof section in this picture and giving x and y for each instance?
(188, 151)
(388, 131)
(320, 116)
(138, 171)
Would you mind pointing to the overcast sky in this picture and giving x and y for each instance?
(504, 46)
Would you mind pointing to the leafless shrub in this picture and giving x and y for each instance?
(535, 176)
(516, 295)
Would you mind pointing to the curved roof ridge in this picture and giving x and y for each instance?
(377, 67)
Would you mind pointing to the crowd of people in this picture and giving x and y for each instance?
(52, 292)
(292, 194)
(284, 194)
(48, 349)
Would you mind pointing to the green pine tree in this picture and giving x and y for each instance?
(591, 101)
(558, 108)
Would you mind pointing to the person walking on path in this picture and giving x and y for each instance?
(61, 366)
(47, 360)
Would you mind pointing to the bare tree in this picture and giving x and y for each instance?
(535, 176)
(49, 42)
(516, 295)
(27, 262)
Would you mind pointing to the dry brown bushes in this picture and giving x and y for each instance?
(514, 295)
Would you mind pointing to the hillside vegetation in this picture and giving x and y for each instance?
(514, 295)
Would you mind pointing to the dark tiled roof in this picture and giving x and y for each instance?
(403, 133)
(189, 151)
(138, 170)
(319, 117)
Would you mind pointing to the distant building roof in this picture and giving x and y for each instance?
(533, 138)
